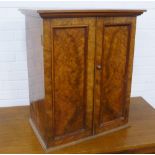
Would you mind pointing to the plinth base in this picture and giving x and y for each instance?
(71, 143)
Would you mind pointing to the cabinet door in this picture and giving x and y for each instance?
(69, 52)
(114, 56)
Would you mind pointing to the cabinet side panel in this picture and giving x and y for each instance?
(35, 58)
(35, 71)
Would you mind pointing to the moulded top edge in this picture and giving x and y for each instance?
(82, 13)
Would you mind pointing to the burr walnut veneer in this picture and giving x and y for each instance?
(80, 69)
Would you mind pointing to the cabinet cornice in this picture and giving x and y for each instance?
(83, 13)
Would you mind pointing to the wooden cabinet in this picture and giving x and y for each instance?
(80, 69)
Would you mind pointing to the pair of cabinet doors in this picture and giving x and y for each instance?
(91, 66)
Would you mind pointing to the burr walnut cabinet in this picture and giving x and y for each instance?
(80, 70)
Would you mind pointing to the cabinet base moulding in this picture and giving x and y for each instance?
(41, 141)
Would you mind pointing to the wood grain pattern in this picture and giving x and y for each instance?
(72, 56)
(113, 78)
(16, 135)
(81, 85)
(70, 59)
(115, 47)
(47, 80)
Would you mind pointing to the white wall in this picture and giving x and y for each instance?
(13, 67)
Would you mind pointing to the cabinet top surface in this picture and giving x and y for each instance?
(46, 13)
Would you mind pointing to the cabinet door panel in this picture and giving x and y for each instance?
(72, 44)
(113, 72)
(113, 80)
(70, 56)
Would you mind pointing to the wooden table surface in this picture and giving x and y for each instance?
(16, 135)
